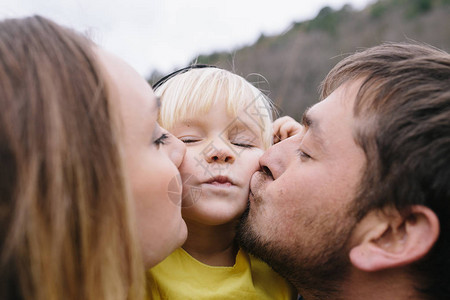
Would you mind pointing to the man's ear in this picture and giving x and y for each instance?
(388, 240)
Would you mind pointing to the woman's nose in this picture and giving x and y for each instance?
(175, 150)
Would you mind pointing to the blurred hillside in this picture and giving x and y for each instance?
(295, 62)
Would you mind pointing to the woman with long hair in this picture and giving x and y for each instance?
(89, 185)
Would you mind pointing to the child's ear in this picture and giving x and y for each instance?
(388, 240)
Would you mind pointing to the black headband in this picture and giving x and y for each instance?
(180, 71)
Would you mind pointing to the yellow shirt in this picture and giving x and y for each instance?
(180, 276)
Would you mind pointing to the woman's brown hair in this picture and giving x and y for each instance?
(66, 228)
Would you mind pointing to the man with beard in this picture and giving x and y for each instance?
(357, 205)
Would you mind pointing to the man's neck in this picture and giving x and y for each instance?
(211, 244)
(389, 284)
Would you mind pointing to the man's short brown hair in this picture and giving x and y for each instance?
(403, 125)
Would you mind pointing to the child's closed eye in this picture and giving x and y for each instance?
(243, 144)
(189, 139)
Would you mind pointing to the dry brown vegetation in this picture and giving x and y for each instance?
(295, 62)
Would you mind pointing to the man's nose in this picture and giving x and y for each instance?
(276, 159)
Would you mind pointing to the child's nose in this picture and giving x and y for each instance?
(220, 154)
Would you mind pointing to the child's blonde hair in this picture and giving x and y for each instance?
(191, 94)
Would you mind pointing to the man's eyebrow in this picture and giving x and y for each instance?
(306, 119)
(311, 123)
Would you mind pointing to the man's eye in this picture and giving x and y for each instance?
(303, 155)
(162, 140)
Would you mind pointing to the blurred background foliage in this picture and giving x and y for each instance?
(290, 66)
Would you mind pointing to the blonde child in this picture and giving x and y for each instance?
(226, 124)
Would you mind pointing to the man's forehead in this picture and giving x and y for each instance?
(340, 102)
(332, 118)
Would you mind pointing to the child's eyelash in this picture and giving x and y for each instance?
(189, 140)
(162, 139)
(243, 145)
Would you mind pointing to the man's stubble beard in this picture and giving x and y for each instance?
(319, 273)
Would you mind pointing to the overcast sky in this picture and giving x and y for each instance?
(165, 34)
